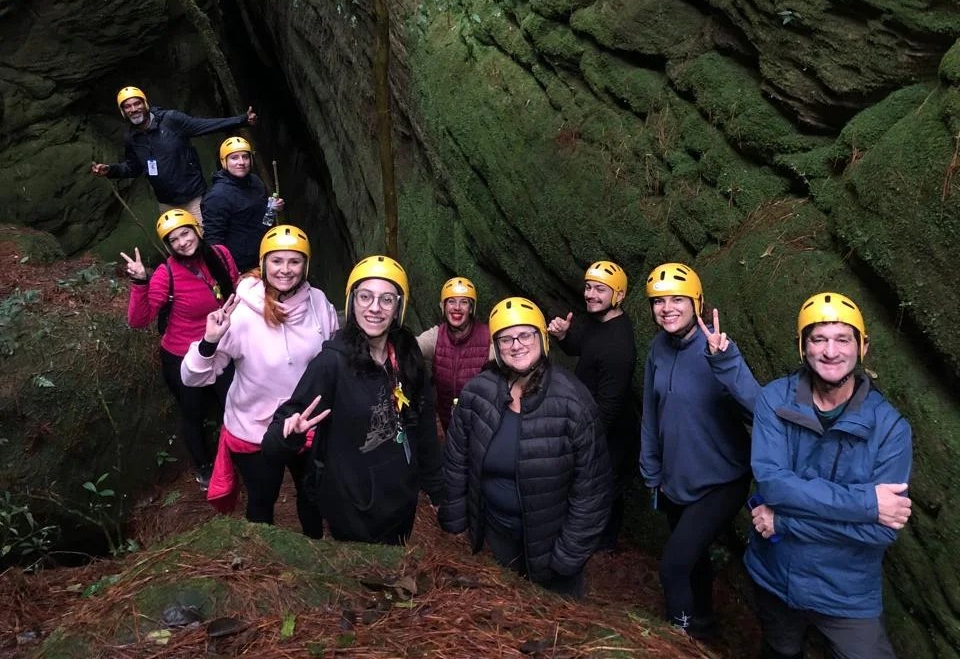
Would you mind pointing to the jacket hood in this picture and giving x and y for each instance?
(251, 292)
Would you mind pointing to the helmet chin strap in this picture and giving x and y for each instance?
(685, 332)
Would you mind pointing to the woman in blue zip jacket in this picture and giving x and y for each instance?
(698, 397)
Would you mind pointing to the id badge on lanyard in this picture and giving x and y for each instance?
(152, 167)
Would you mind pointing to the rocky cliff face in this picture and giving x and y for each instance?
(779, 148)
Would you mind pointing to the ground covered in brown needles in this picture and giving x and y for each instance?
(256, 591)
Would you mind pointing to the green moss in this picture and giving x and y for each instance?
(642, 90)
(33, 247)
(62, 644)
(950, 66)
(728, 95)
(209, 596)
(554, 40)
(557, 8)
(900, 212)
(867, 128)
(644, 27)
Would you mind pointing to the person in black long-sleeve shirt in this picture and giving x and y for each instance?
(158, 144)
(605, 345)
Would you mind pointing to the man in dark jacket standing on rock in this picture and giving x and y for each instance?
(604, 342)
(158, 144)
(235, 207)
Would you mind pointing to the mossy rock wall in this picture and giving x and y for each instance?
(781, 151)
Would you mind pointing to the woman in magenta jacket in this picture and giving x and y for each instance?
(193, 281)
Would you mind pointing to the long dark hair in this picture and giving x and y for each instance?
(215, 264)
(537, 373)
(409, 360)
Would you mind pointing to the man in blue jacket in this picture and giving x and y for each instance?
(831, 457)
(235, 207)
(158, 145)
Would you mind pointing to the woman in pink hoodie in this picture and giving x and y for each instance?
(271, 329)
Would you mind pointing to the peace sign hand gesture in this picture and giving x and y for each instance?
(717, 341)
(218, 322)
(135, 267)
(299, 423)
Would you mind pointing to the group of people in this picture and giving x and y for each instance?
(532, 461)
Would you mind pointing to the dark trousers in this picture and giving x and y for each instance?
(610, 537)
(195, 403)
(685, 570)
(849, 638)
(508, 551)
(263, 479)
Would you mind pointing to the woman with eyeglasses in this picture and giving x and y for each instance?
(524, 468)
(378, 448)
(274, 306)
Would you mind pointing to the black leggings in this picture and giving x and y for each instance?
(263, 480)
(195, 404)
(685, 570)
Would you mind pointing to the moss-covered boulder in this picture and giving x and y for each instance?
(85, 420)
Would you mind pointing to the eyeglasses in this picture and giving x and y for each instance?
(523, 338)
(365, 298)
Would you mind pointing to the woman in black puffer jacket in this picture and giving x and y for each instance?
(524, 467)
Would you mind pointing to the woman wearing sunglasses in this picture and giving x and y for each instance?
(379, 446)
(524, 468)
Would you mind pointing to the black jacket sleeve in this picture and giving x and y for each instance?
(216, 217)
(188, 126)
(590, 498)
(318, 380)
(129, 167)
(453, 511)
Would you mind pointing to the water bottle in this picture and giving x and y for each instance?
(753, 502)
(270, 217)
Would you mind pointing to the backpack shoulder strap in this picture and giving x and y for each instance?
(170, 279)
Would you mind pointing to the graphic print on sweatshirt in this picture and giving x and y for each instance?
(383, 423)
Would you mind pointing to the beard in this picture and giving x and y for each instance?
(136, 121)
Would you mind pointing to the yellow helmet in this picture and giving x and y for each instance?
(379, 267)
(174, 219)
(285, 237)
(459, 287)
(831, 308)
(130, 92)
(609, 274)
(233, 145)
(676, 279)
(515, 311)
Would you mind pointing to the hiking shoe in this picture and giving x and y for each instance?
(203, 476)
